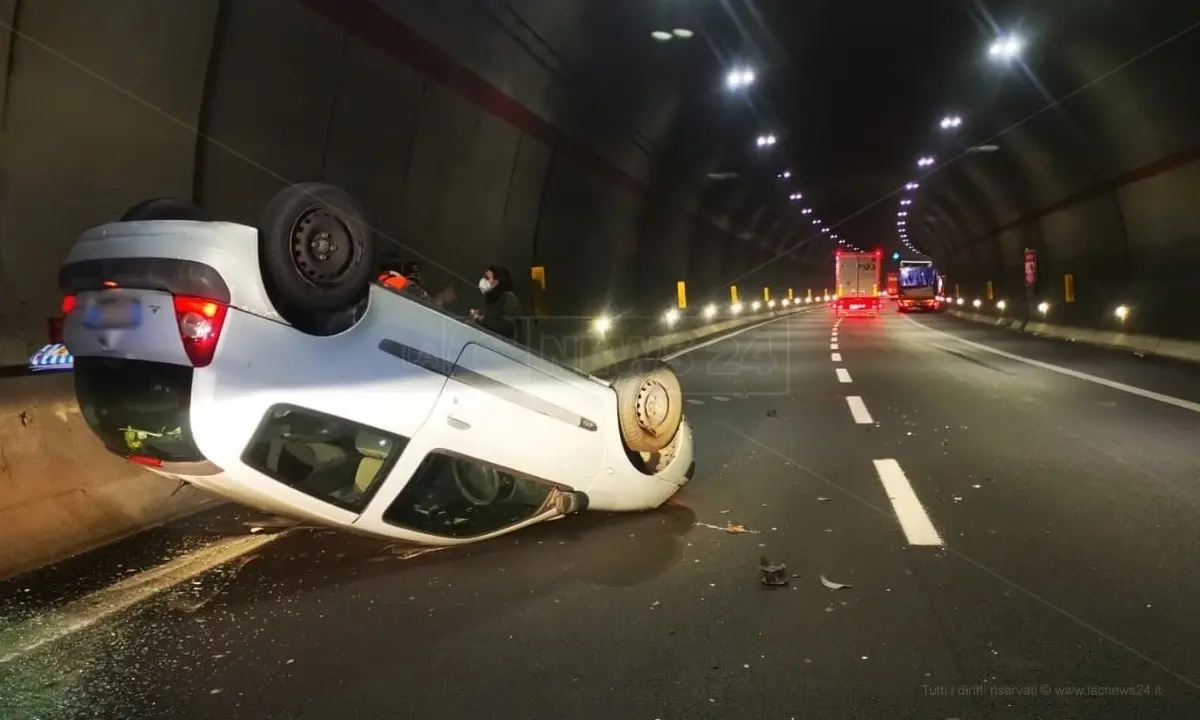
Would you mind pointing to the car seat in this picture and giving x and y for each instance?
(375, 450)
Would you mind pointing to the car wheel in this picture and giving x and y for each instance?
(316, 249)
(164, 208)
(649, 406)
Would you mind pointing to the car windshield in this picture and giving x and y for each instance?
(459, 497)
(138, 407)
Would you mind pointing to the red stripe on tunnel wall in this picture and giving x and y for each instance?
(370, 22)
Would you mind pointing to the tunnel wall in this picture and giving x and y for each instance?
(461, 163)
(104, 103)
(1103, 186)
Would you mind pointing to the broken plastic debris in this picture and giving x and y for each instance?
(823, 499)
(956, 498)
(833, 585)
(773, 574)
(654, 605)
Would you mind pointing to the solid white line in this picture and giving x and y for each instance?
(915, 522)
(735, 333)
(91, 609)
(833, 346)
(836, 357)
(843, 375)
(1148, 394)
(858, 409)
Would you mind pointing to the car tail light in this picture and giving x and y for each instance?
(145, 460)
(200, 322)
(68, 304)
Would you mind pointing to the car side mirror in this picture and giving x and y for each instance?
(569, 503)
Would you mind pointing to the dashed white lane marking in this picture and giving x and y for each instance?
(720, 398)
(858, 409)
(915, 522)
(836, 357)
(843, 375)
(1148, 394)
(833, 346)
(693, 401)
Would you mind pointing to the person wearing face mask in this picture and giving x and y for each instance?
(501, 307)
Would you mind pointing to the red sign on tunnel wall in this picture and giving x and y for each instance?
(1030, 267)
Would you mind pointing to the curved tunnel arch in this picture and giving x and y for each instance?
(565, 136)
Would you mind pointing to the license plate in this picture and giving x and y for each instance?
(113, 314)
(857, 307)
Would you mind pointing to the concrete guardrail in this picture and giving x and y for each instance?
(1187, 350)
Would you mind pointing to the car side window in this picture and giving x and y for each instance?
(455, 496)
(330, 458)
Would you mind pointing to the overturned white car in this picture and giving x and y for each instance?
(267, 366)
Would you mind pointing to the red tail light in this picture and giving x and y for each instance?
(145, 460)
(200, 322)
(68, 304)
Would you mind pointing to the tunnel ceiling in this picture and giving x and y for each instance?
(854, 94)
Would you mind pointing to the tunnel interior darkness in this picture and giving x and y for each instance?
(566, 136)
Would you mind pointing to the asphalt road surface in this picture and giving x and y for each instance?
(1017, 543)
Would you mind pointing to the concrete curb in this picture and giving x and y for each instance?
(1186, 350)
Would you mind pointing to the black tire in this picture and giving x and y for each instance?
(316, 249)
(649, 406)
(164, 208)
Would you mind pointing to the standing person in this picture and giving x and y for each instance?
(501, 308)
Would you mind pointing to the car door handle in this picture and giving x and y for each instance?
(457, 424)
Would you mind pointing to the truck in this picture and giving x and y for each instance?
(893, 285)
(858, 277)
(920, 287)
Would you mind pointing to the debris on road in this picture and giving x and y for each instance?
(731, 528)
(833, 585)
(772, 413)
(202, 590)
(822, 499)
(772, 574)
(654, 605)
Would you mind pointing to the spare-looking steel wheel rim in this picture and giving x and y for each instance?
(653, 407)
(322, 249)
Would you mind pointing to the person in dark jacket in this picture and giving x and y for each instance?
(501, 308)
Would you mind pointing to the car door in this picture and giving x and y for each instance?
(504, 412)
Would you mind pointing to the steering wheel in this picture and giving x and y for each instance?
(482, 489)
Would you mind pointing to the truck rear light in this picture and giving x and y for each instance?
(68, 304)
(200, 321)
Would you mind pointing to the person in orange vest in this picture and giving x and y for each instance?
(406, 279)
